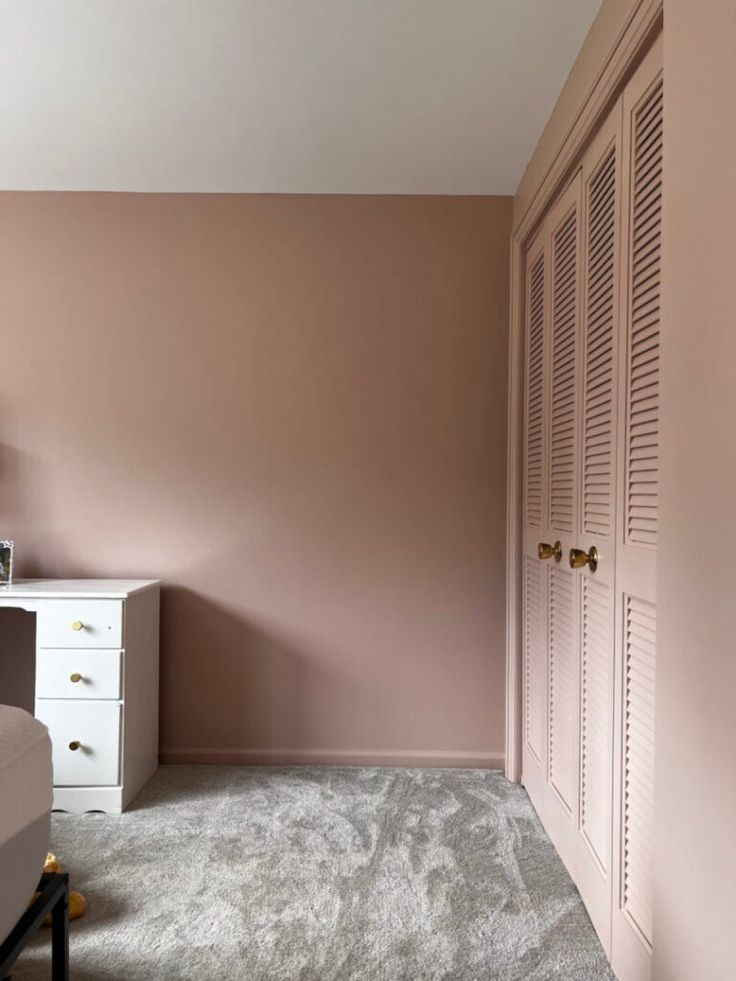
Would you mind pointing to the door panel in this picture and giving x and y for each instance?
(563, 686)
(600, 341)
(638, 790)
(535, 392)
(637, 495)
(551, 771)
(564, 407)
(642, 435)
(599, 458)
(564, 395)
(596, 762)
(535, 657)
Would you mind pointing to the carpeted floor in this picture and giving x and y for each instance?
(321, 874)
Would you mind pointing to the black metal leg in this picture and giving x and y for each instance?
(60, 937)
(52, 897)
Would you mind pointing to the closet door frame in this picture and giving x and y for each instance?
(639, 32)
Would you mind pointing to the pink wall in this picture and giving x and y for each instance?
(291, 409)
(695, 898)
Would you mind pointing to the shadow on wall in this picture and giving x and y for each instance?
(23, 483)
(19, 472)
(239, 684)
(17, 658)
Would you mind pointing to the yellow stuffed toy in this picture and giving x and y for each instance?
(77, 902)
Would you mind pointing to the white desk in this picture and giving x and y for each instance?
(96, 684)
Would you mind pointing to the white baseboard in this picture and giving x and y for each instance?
(331, 757)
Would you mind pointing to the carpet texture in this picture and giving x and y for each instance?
(321, 874)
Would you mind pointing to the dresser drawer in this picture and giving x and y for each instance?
(78, 674)
(80, 623)
(95, 727)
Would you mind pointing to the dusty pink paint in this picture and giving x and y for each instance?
(695, 898)
(291, 409)
(695, 845)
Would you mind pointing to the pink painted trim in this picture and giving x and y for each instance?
(330, 757)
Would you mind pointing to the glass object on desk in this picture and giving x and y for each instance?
(6, 563)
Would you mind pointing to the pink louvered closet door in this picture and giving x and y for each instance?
(638, 503)
(550, 517)
(590, 518)
(602, 168)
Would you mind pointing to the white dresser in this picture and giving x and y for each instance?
(96, 684)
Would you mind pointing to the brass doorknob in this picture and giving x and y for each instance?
(77, 625)
(75, 677)
(545, 551)
(579, 558)
(74, 745)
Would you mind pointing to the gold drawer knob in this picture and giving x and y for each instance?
(545, 551)
(77, 625)
(579, 558)
(74, 678)
(74, 745)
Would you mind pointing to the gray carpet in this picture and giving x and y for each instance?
(321, 874)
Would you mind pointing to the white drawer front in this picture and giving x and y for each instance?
(78, 674)
(80, 623)
(96, 726)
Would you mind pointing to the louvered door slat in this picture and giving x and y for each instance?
(599, 333)
(535, 655)
(597, 718)
(563, 689)
(563, 413)
(639, 722)
(534, 451)
(642, 438)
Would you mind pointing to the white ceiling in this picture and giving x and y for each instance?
(353, 96)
